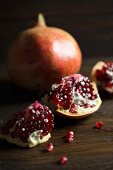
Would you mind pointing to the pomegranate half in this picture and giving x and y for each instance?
(75, 97)
(41, 56)
(102, 74)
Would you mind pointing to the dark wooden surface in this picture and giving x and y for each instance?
(91, 22)
(91, 149)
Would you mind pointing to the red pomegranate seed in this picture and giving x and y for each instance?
(63, 160)
(70, 133)
(70, 139)
(99, 125)
(69, 136)
(49, 147)
(36, 104)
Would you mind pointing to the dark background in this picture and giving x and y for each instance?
(89, 21)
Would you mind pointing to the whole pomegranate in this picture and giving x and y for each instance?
(102, 74)
(41, 56)
(74, 97)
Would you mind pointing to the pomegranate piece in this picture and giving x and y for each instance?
(49, 147)
(99, 125)
(102, 74)
(29, 127)
(75, 97)
(63, 160)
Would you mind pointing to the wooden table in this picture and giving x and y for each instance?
(91, 149)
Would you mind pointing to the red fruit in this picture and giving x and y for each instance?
(50, 147)
(29, 127)
(99, 125)
(75, 97)
(63, 160)
(102, 74)
(41, 56)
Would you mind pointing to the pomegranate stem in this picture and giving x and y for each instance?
(41, 20)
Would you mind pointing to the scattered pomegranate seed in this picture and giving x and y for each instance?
(63, 160)
(49, 147)
(99, 125)
(70, 133)
(69, 136)
(70, 139)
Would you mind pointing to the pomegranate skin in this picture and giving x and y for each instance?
(41, 56)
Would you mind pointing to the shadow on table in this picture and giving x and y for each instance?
(10, 93)
(61, 122)
(105, 95)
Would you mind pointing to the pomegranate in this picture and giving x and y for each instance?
(75, 97)
(102, 74)
(41, 56)
(29, 127)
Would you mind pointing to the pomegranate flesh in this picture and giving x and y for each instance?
(102, 74)
(41, 56)
(75, 97)
(29, 127)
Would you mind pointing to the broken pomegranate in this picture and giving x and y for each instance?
(75, 97)
(102, 74)
(29, 127)
(41, 56)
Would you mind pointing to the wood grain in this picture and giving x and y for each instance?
(91, 149)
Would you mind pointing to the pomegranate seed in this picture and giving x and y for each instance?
(63, 160)
(69, 139)
(36, 105)
(70, 133)
(99, 125)
(69, 136)
(49, 147)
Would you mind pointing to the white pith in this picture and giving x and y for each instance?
(99, 66)
(33, 140)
